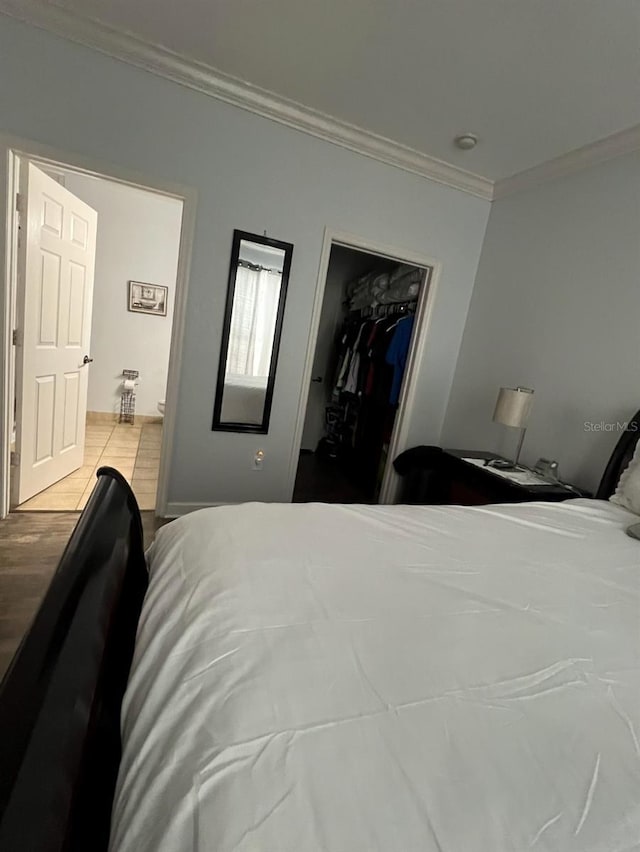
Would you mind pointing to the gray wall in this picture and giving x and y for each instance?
(138, 239)
(256, 175)
(556, 307)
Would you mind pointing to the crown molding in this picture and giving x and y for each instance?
(616, 145)
(232, 90)
(203, 78)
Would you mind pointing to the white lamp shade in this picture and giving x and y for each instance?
(513, 407)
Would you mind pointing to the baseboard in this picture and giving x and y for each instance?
(98, 417)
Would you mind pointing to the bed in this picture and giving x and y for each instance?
(311, 677)
(243, 399)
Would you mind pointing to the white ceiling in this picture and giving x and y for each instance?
(533, 78)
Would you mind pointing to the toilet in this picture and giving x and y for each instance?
(161, 407)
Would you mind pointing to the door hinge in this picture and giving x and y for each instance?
(14, 337)
(14, 459)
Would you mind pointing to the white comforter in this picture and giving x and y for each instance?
(386, 679)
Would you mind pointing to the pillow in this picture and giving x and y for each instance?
(627, 493)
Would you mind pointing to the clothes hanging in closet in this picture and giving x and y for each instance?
(373, 357)
(397, 355)
(352, 383)
(371, 360)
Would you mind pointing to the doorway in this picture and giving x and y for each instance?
(114, 313)
(366, 333)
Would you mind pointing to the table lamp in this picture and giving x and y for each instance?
(513, 407)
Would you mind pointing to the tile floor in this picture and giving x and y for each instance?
(133, 450)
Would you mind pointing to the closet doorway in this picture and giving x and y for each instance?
(366, 335)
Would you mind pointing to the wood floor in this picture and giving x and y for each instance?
(325, 481)
(31, 543)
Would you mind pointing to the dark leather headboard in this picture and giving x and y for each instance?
(620, 458)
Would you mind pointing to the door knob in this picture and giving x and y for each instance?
(87, 360)
(317, 379)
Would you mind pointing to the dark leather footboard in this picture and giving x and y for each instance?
(60, 699)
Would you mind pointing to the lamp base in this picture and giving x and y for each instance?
(503, 464)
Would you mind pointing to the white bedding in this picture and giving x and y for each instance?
(243, 399)
(386, 679)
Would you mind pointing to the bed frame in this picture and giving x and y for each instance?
(620, 458)
(60, 700)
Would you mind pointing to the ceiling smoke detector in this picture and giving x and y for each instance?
(466, 141)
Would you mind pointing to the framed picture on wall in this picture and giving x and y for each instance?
(148, 298)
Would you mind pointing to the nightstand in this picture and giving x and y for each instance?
(434, 475)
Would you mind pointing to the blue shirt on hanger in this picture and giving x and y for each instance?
(397, 355)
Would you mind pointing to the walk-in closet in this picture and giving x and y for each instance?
(364, 338)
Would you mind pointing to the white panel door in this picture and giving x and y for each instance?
(57, 260)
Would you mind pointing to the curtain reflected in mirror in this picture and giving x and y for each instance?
(251, 335)
(253, 324)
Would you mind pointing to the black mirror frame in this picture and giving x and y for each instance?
(255, 428)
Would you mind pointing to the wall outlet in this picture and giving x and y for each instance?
(258, 459)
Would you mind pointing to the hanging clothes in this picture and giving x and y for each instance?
(351, 384)
(397, 354)
(377, 329)
(369, 362)
(342, 370)
(347, 339)
(380, 374)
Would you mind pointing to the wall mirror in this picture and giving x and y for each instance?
(256, 294)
